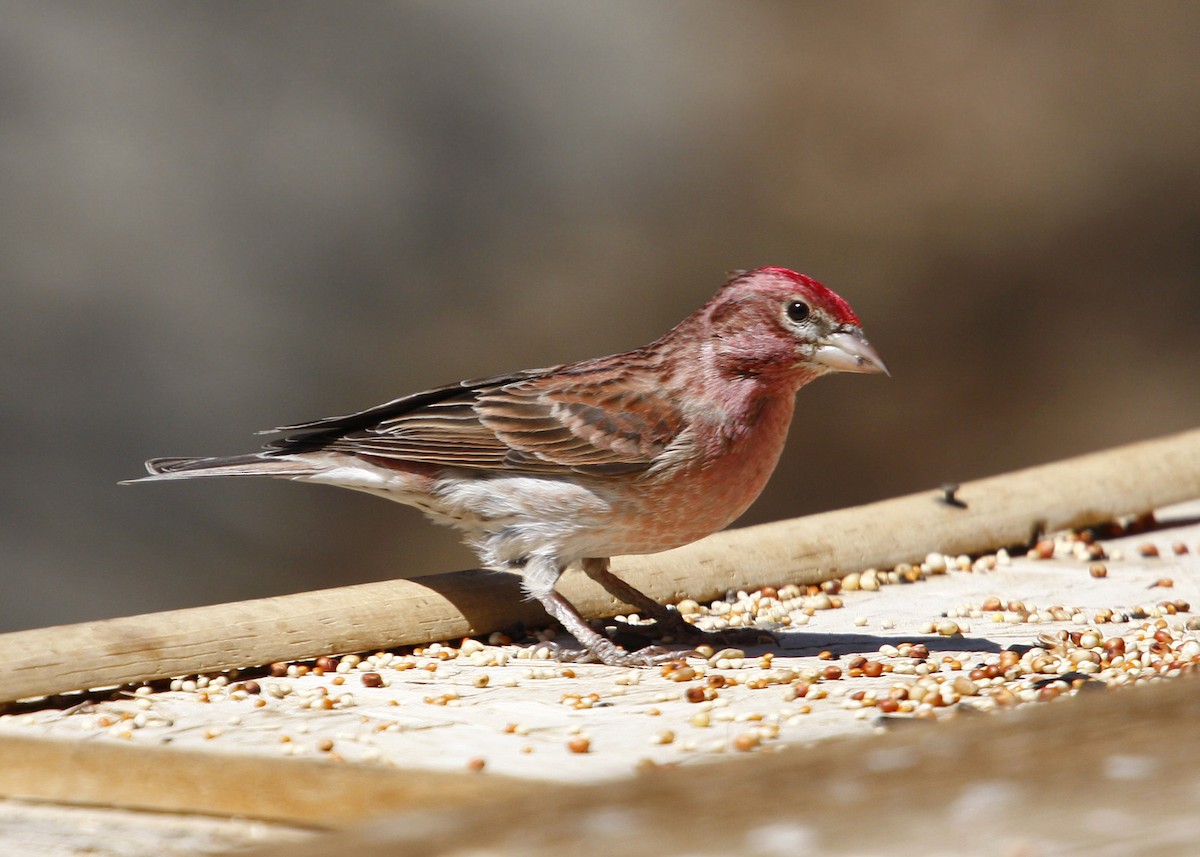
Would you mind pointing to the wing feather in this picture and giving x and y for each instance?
(599, 418)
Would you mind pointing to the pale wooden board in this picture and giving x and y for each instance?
(246, 768)
(54, 830)
(212, 758)
(1111, 774)
(530, 694)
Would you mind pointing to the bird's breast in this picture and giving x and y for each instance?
(711, 488)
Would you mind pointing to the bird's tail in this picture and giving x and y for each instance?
(255, 464)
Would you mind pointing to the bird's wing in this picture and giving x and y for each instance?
(589, 418)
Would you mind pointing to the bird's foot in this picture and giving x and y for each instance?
(609, 653)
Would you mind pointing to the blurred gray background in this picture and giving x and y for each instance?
(220, 217)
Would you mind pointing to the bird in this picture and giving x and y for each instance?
(633, 453)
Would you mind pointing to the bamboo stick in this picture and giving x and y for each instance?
(994, 512)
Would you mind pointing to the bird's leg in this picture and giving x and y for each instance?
(540, 575)
(666, 619)
(597, 570)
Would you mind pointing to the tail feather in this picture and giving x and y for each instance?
(255, 464)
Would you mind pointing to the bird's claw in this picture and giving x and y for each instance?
(610, 654)
(651, 656)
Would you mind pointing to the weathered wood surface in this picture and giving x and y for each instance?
(233, 784)
(210, 752)
(1113, 773)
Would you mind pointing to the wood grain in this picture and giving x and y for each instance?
(309, 792)
(1103, 773)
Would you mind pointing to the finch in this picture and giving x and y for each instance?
(633, 453)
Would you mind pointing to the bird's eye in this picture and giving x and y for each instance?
(797, 311)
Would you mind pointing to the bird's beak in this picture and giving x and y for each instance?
(848, 351)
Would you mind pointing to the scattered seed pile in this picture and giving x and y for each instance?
(1078, 612)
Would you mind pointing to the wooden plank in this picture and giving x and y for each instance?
(309, 792)
(1102, 773)
(997, 511)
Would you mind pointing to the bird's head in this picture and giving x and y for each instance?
(775, 323)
